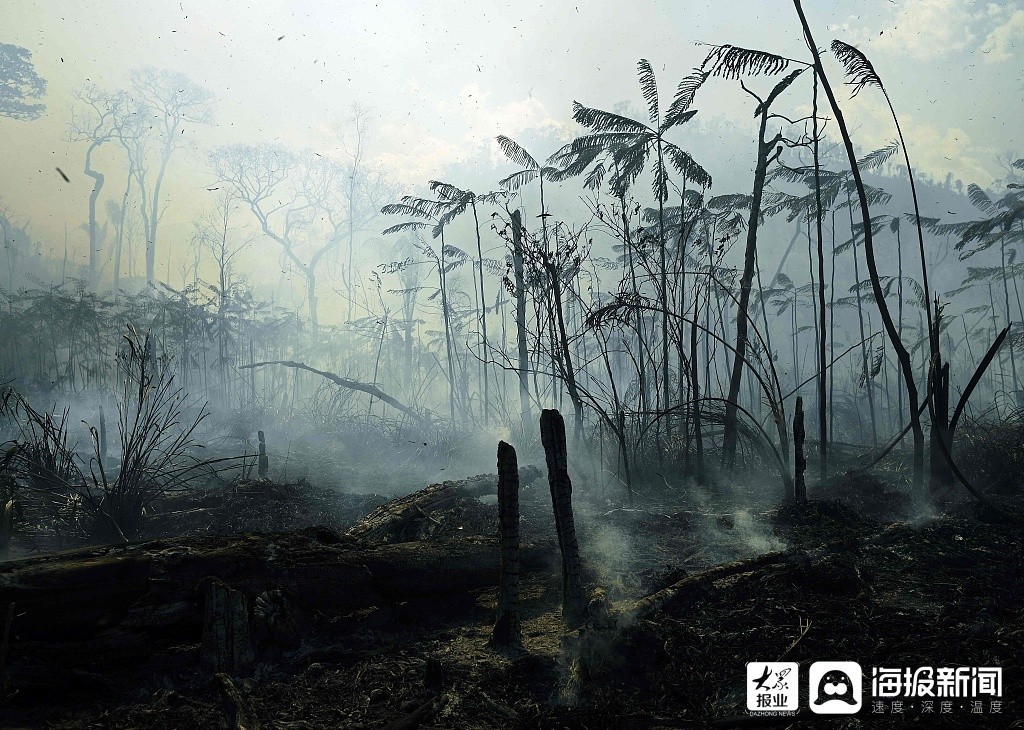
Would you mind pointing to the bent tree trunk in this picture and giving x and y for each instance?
(372, 390)
(98, 178)
(902, 355)
(764, 148)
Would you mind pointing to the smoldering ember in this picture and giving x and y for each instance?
(440, 365)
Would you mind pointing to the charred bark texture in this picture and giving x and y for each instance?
(226, 645)
(408, 518)
(506, 625)
(800, 458)
(552, 436)
(941, 473)
(239, 712)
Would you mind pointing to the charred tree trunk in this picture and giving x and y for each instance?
(765, 148)
(940, 437)
(264, 462)
(552, 436)
(563, 345)
(695, 393)
(103, 434)
(800, 460)
(226, 645)
(94, 242)
(506, 625)
(524, 361)
(822, 388)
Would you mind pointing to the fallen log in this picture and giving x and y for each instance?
(127, 609)
(628, 612)
(408, 518)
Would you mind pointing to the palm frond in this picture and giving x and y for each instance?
(731, 62)
(687, 166)
(408, 225)
(600, 141)
(729, 201)
(979, 198)
(515, 152)
(629, 163)
(879, 157)
(595, 177)
(649, 87)
(859, 71)
(517, 179)
(448, 192)
(402, 209)
(602, 121)
(492, 197)
(427, 208)
(685, 93)
(451, 214)
(454, 252)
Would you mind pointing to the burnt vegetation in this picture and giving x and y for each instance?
(777, 422)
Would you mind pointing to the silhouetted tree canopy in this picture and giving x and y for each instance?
(19, 83)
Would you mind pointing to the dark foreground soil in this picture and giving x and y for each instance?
(946, 590)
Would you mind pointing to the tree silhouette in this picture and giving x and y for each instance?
(96, 121)
(19, 83)
(169, 101)
(632, 145)
(457, 202)
(432, 210)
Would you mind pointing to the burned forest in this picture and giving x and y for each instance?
(422, 365)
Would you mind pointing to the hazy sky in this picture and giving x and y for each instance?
(445, 77)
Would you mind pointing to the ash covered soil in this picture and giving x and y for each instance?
(364, 619)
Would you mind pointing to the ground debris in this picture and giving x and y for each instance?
(836, 584)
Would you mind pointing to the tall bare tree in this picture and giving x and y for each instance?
(95, 120)
(290, 196)
(169, 102)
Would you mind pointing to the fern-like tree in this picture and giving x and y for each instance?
(861, 74)
(428, 213)
(902, 354)
(633, 146)
(458, 201)
(530, 170)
